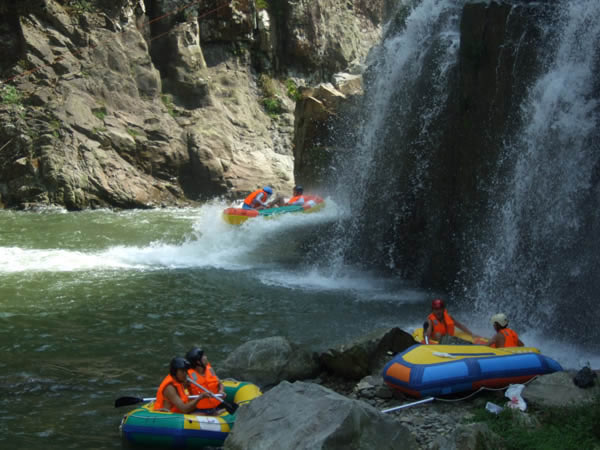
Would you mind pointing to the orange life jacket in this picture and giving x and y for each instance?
(511, 338)
(442, 327)
(250, 199)
(160, 394)
(295, 199)
(210, 381)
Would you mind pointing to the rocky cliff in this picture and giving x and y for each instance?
(142, 103)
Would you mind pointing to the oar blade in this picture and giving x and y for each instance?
(124, 401)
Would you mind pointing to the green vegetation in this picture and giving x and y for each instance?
(270, 101)
(10, 95)
(262, 4)
(167, 100)
(80, 6)
(55, 127)
(573, 427)
(272, 106)
(133, 133)
(292, 90)
(100, 113)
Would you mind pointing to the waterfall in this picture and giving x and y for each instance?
(416, 56)
(540, 265)
(510, 217)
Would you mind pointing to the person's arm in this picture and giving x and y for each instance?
(520, 343)
(175, 399)
(429, 330)
(462, 327)
(497, 339)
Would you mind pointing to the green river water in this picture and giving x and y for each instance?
(93, 305)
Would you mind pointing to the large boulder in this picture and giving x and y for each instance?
(268, 361)
(308, 416)
(366, 355)
(558, 389)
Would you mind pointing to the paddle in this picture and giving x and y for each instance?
(408, 405)
(425, 326)
(124, 401)
(230, 407)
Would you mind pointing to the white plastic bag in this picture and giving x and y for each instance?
(514, 394)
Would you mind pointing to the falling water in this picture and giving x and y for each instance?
(417, 57)
(542, 264)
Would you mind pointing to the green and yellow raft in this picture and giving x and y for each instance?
(237, 216)
(145, 427)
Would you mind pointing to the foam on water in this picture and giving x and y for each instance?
(212, 243)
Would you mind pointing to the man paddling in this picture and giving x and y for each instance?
(202, 373)
(504, 337)
(172, 393)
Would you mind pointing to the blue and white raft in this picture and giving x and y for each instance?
(432, 370)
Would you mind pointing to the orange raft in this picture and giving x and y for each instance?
(237, 216)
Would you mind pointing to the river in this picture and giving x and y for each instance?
(94, 304)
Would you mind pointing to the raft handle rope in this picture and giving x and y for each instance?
(430, 399)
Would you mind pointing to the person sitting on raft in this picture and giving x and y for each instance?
(202, 373)
(258, 198)
(440, 323)
(504, 337)
(297, 198)
(172, 394)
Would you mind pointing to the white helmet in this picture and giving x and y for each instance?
(500, 319)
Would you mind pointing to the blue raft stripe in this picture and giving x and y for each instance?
(130, 430)
(518, 362)
(440, 373)
(449, 377)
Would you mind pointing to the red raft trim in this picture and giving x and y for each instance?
(241, 212)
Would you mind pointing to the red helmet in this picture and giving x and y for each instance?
(438, 303)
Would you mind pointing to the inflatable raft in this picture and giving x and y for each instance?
(237, 216)
(145, 427)
(418, 336)
(432, 370)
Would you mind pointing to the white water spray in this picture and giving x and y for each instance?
(538, 223)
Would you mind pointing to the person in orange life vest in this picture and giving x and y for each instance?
(202, 373)
(504, 337)
(441, 323)
(258, 198)
(298, 198)
(172, 394)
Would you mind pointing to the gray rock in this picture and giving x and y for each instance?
(367, 355)
(557, 389)
(308, 416)
(268, 361)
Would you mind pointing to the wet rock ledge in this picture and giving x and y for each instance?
(333, 400)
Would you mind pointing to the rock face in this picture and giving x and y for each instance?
(140, 104)
(324, 36)
(558, 389)
(366, 355)
(318, 419)
(268, 361)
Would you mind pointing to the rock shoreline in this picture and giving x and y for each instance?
(291, 396)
